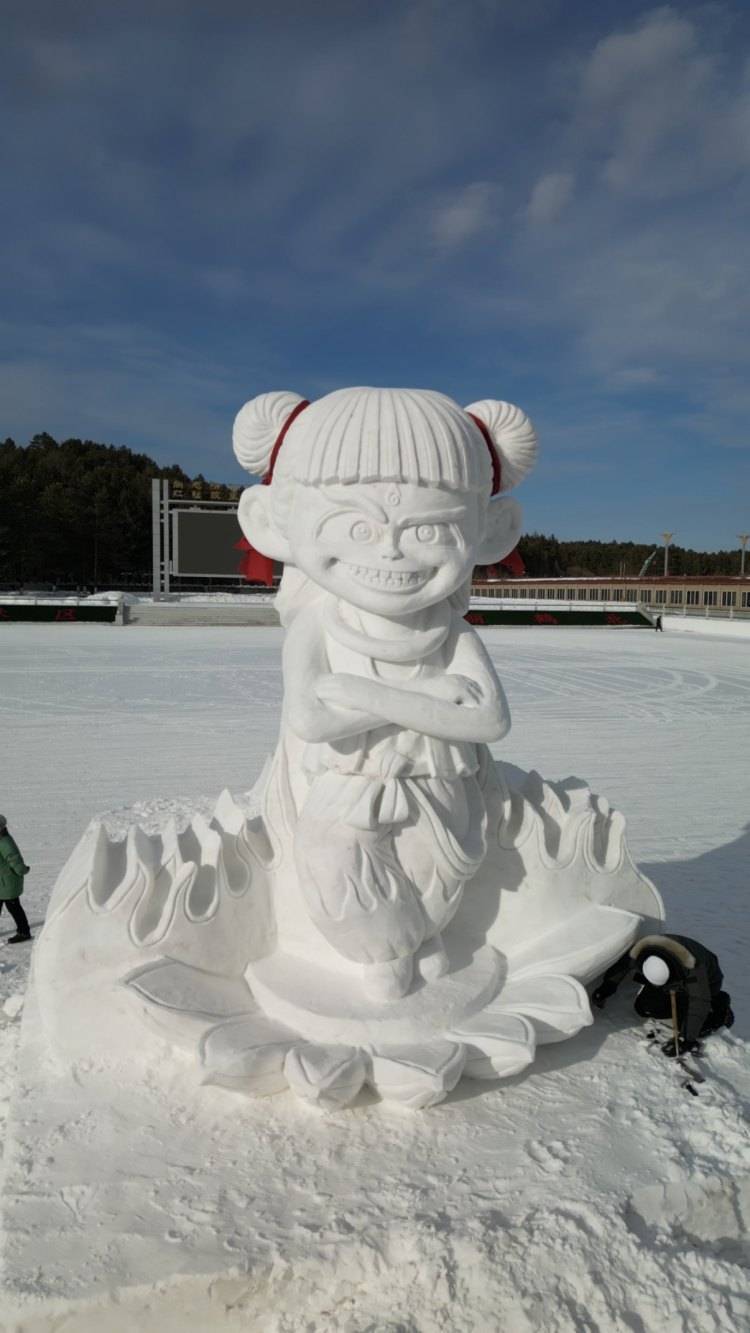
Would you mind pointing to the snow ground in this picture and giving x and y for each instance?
(646, 1231)
(720, 626)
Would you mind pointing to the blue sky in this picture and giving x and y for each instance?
(544, 201)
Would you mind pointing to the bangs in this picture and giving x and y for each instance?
(406, 435)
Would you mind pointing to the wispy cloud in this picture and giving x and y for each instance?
(549, 197)
(470, 211)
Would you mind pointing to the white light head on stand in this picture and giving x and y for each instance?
(655, 970)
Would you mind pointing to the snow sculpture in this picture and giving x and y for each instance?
(399, 910)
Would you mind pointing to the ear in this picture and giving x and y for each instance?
(502, 530)
(256, 521)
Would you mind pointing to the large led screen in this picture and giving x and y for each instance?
(203, 543)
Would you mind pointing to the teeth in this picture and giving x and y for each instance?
(386, 578)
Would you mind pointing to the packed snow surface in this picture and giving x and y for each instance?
(595, 1193)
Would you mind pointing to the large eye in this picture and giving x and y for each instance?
(426, 532)
(435, 534)
(361, 531)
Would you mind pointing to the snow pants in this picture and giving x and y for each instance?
(13, 905)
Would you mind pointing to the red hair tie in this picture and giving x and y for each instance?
(494, 456)
(254, 566)
(266, 481)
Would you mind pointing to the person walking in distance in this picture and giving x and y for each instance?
(12, 870)
(658, 625)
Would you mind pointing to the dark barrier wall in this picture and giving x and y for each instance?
(499, 616)
(49, 611)
(55, 612)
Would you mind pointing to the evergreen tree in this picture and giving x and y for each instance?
(76, 512)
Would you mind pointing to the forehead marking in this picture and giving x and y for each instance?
(359, 501)
(393, 497)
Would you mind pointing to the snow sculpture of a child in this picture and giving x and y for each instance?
(379, 503)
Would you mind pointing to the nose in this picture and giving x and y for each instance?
(389, 549)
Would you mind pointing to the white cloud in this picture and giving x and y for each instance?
(647, 283)
(662, 40)
(549, 197)
(471, 211)
(661, 109)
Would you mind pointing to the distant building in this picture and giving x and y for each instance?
(680, 594)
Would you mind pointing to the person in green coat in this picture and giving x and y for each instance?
(12, 870)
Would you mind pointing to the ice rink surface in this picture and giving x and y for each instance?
(99, 717)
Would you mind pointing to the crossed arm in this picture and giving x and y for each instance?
(465, 704)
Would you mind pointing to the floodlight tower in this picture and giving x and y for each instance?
(743, 538)
(666, 538)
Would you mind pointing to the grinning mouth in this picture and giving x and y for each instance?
(387, 580)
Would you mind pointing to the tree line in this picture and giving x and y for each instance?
(546, 556)
(78, 513)
(75, 512)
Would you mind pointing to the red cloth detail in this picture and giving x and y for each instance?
(253, 566)
(513, 562)
(280, 439)
(494, 456)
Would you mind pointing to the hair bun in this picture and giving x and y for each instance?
(513, 436)
(257, 425)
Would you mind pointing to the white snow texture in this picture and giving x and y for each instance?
(593, 1194)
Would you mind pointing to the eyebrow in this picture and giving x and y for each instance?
(363, 504)
(439, 516)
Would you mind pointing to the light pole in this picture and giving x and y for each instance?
(666, 538)
(743, 538)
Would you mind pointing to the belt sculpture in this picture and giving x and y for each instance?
(393, 907)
